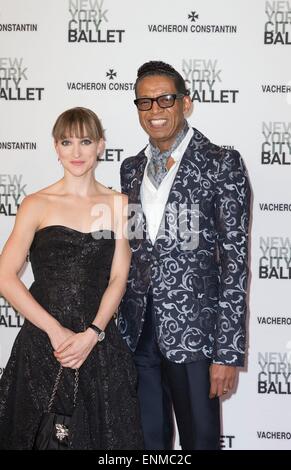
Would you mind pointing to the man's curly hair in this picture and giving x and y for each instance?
(156, 67)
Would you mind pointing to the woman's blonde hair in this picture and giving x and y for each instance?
(78, 122)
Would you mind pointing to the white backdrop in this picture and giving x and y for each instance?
(56, 54)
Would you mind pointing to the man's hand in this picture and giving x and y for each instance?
(222, 379)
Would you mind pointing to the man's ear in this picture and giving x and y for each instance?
(187, 104)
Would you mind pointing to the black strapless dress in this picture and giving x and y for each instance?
(71, 271)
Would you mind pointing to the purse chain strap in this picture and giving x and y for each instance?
(56, 384)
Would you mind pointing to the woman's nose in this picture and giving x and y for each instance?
(77, 150)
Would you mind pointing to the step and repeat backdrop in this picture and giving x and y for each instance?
(235, 57)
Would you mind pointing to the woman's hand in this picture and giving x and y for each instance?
(59, 335)
(75, 350)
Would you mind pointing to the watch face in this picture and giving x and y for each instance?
(101, 336)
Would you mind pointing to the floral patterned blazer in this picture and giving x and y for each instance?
(197, 268)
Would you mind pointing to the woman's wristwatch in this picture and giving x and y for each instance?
(100, 333)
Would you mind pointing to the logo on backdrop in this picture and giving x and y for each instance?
(226, 442)
(278, 23)
(277, 89)
(227, 147)
(14, 145)
(274, 376)
(275, 435)
(13, 81)
(203, 77)
(12, 190)
(111, 155)
(275, 206)
(271, 320)
(110, 81)
(191, 24)
(9, 317)
(89, 23)
(18, 27)
(276, 146)
(275, 259)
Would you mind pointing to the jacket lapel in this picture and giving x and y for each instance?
(134, 195)
(187, 177)
(135, 200)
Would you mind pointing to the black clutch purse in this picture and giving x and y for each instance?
(54, 428)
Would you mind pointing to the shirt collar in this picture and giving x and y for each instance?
(179, 152)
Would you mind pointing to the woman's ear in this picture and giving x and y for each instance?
(100, 147)
(57, 149)
(56, 146)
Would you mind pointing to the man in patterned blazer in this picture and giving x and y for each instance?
(183, 314)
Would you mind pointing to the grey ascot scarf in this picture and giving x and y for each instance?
(157, 166)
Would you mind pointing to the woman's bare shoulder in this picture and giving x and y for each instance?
(35, 204)
(51, 190)
(104, 190)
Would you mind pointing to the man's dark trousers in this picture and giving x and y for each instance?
(162, 383)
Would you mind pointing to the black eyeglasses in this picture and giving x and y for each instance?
(164, 101)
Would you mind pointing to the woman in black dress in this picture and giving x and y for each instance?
(75, 233)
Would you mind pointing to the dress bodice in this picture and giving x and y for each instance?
(71, 270)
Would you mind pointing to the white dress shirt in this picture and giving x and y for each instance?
(153, 199)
